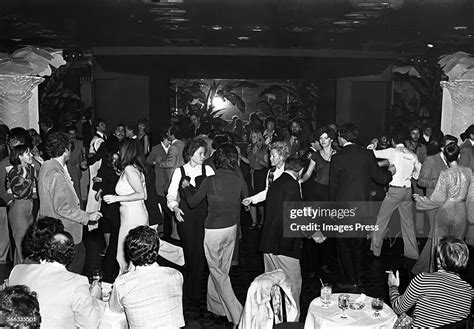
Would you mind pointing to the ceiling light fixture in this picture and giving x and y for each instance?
(216, 27)
(460, 28)
(430, 45)
(243, 38)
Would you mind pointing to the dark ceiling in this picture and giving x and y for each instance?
(401, 27)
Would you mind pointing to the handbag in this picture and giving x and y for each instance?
(403, 321)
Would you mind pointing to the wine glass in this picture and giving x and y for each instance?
(377, 306)
(326, 292)
(343, 302)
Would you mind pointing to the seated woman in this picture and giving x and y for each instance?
(441, 297)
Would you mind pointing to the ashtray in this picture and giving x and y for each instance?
(353, 305)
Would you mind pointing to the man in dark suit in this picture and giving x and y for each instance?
(466, 157)
(350, 174)
(428, 178)
(280, 252)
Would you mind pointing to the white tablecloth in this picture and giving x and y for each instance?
(111, 320)
(319, 317)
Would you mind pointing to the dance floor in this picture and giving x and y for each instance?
(251, 265)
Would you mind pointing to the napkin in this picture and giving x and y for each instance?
(361, 299)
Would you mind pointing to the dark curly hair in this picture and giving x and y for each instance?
(20, 307)
(328, 131)
(193, 146)
(349, 132)
(142, 245)
(57, 144)
(37, 234)
(226, 156)
(16, 152)
(59, 248)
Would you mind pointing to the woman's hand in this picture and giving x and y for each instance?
(185, 183)
(246, 202)
(416, 197)
(98, 195)
(393, 279)
(110, 198)
(179, 214)
(97, 179)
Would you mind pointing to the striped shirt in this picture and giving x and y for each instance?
(439, 298)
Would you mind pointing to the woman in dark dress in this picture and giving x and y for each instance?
(191, 220)
(104, 183)
(320, 256)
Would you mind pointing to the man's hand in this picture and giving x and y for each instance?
(179, 214)
(98, 195)
(247, 202)
(97, 179)
(185, 183)
(94, 217)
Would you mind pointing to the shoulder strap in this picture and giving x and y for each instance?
(203, 168)
(183, 173)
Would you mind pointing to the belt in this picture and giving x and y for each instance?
(399, 186)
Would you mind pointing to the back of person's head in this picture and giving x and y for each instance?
(16, 152)
(176, 132)
(57, 144)
(193, 146)
(36, 235)
(281, 148)
(400, 136)
(451, 152)
(294, 163)
(449, 139)
(19, 308)
(220, 139)
(453, 254)
(142, 245)
(349, 132)
(18, 136)
(59, 248)
(226, 156)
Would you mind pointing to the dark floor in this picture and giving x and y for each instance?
(251, 265)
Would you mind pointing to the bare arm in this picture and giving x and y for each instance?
(133, 177)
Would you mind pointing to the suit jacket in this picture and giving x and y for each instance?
(174, 159)
(64, 297)
(430, 171)
(4, 196)
(466, 157)
(350, 174)
(158, 155)
(285, 188)
(59, 200)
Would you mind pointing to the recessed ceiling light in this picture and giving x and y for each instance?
(243, 38)
(17, 40)
(430, 45)
(216, 27)
(259, 28)
(460, 28)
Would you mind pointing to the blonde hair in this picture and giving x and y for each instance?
(281, 148)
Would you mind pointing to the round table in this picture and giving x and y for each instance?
(320, 317)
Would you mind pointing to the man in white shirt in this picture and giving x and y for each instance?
(398, 196)
(151, 295)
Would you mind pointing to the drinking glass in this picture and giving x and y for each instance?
(343, 302)
(377, 306)
(326, 292)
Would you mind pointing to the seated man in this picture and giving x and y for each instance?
(151, 295)
(64, 297)
(19, 308)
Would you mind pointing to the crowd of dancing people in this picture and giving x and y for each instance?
(190, 185)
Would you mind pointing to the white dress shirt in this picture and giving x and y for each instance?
(261, 196)
(406, 164)
(172, 198)
(151, 296)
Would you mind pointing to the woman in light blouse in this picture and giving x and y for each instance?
(21, 183)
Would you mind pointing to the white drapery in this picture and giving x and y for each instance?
(458, 106)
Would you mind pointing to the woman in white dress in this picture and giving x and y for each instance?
(131, 193)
